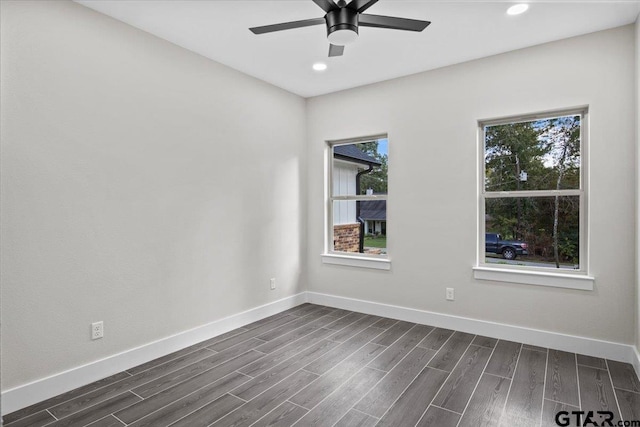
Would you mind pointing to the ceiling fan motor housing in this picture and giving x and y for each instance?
(344, 21)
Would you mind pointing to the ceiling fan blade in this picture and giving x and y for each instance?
(335, 50)
(391, 22)
(361, 5)
(326, 5)
(287, 26)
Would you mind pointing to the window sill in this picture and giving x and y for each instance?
(356, 261)
(537, 278)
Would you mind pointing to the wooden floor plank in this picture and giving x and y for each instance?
(415, 400)
(229, 360)
(54, 401)
(457, 390)
(330, 317)
(77, 404)
(504, 359)
(209, 413)
(269, 319)
(257, 408)
(284, 415)
(177, 402)
(345, 321)
(190, 349)
(436, 339)
(109, 421)
(252, 333)
(484, 341)
(96, 412)
(390, 336)
(168, 358)
(534, 347)
(594, 362)
(285, 339)
(623, 376)
(448, 356)
(342, 351)
(355, 328)
(339, 313)
(315, 392)
(485, 406)
(336, 405)
(305, 309)
(596, 393)
(34, 420)
(292, 326)
(438, 417)
(385, 323)
(562, 378)
(381, 397)
(267, 379)
(524, 404)
(629, 404)
(354, 418)
(550, 410)
(283, 353)
(398, 350)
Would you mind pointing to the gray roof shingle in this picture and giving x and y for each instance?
(373, 210)
(353, 153)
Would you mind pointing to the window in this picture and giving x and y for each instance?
(357, 205)
(532, 193)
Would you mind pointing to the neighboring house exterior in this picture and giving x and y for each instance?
(374, 214)
(348, 162)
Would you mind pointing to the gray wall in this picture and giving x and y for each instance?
(431, 120)
(142, 185)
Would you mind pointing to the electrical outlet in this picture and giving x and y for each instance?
(450, 295)
(97, 330)
(273, 283)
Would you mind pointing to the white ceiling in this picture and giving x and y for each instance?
(460, 31)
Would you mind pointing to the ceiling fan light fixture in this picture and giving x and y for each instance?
(343, 21)
(343, 37)
(517, 9)
(342, 26)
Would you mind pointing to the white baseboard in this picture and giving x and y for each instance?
(37, 391)
(570, 343)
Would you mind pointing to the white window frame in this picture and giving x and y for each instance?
(373, 261)
(541, 276)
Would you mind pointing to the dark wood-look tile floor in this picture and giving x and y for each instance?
(315, 365)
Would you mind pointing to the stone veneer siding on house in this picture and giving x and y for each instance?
(346, 238)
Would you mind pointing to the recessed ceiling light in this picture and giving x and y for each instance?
(517, 9)
(319, 66)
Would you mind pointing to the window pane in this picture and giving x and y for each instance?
(522, 231)
(360, 167)
(533, 155)
(367, 235)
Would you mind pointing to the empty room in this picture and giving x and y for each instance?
(319, 212)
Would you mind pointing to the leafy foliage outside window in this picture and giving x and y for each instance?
(532, 187)
(377, 178)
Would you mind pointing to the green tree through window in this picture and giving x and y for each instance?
(532, 186)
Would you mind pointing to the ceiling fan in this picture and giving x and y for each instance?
(343, 19)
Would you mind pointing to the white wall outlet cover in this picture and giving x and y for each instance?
(450, 294)
(97, 330)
